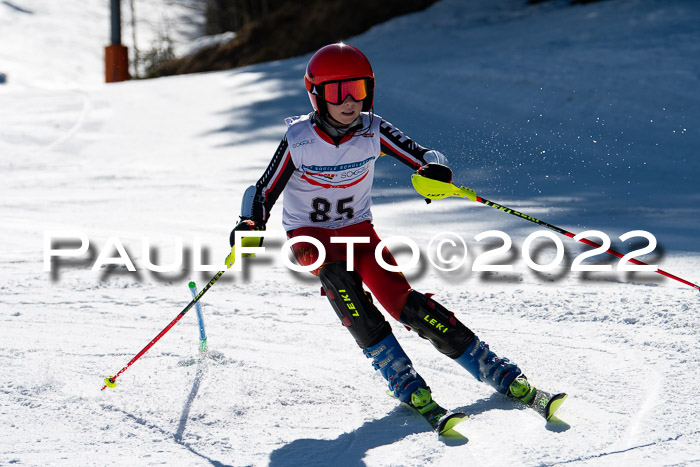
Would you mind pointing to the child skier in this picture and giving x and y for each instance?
(325, 167)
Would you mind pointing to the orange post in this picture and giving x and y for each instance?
(116, 63)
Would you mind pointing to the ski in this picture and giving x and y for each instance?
(542, 402)
(440, 419)
(546, 404)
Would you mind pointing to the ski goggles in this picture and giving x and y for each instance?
(336, 92)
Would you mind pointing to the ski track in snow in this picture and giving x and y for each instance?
(306, 412)
(84, 112)
(283, 383)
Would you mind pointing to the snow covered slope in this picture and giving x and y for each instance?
(586, 117)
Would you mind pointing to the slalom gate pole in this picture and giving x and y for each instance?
(435, 189)
(110, 381)
(200, 319)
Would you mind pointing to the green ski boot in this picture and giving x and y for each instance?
(440, 419)
(541, 402)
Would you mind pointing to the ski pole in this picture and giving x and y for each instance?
(110, 381)
(200, 319)
(435, 189)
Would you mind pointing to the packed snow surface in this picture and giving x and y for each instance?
(583, 116)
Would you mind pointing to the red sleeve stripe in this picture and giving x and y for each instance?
(397, 151)
(278, 173)
(272, 183)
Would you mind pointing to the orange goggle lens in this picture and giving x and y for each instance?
(335, 93)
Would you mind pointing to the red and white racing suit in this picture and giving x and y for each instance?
(327, 193)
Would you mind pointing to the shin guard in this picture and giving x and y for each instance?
(437, 324)
(353, 305)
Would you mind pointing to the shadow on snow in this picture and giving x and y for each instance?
(350, 448)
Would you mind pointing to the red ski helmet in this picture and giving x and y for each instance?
(339, 63)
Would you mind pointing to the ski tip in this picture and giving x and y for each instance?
(449, 421)
(554, 403)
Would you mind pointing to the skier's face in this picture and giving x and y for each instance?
(346, 113)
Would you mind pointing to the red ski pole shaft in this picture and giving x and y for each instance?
(167, 328)
(508, 210)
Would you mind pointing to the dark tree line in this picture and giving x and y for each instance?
(231, 15)
(276, 29)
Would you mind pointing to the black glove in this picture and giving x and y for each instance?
(246, 225)
(436, 172)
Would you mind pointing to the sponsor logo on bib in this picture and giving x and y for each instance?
(336, 176)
